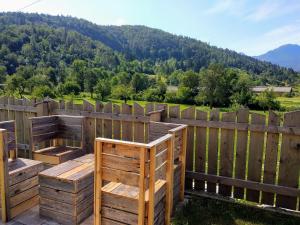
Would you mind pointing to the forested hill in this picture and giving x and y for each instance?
(164, 52)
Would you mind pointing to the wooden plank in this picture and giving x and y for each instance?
(141, 205)
(151, 185)
(107, 124)
(139, 128)
(213, 144)
(255, 156)
(116, 123)
(271, 159)
(227, 153)
(241, 149)
(24, 206)
(127, 128)
(99, 122)
(169, 179)
(89, 128)
(98, 182)
(270, 188)
(200, 152)
(189, 113)
(183, 165)
(23, 196)
(148, 108)
(4, 186)
(289, 161)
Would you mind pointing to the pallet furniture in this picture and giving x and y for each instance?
(158, 129)
(67, 191)
(18, 176)
(134, 181)
(60, 134)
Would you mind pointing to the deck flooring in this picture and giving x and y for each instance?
(31, 217)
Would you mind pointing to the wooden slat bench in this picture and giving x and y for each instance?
(134, 181)
(19, 177)
(67, 190)
(64, 136)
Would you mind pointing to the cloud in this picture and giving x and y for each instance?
(269, 9)
(227, 6)
(287, 34)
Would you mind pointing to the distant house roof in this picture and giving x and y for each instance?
(275, 89)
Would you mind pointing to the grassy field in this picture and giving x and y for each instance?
(204, 211)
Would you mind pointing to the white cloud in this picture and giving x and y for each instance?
(119, 22)
(273, 8)
(228, 6)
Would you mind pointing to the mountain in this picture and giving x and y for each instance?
(286, 55)
(39, 39)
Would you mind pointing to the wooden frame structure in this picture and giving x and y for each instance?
(18, 177)
(145, 170)
(63, 135)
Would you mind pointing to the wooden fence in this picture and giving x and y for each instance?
(239, 154)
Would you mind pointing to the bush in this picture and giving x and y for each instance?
(265, 101)
(70, 87)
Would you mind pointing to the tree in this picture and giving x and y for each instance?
(139, 82)
(267, 100)
(90, 81)
(2, 74)
(190, 80)
(70, 87)
(122, 92)
(102, 89)
(43, 91)
(15, 83)
(79, 69)
(36, 81)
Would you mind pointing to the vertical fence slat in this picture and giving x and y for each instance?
(107, 124)
(139, 128)
(200, 151)
(90, 127)
(148, 108)
(116, 123)
(227, 152)
(241, 149)
(289, 161)
(189, 113)
(213, 144)
(99, 122)
(127, 126)
(255, 155)
(271, 158)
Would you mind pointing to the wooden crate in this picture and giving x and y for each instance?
(63, 134)
(120, 203)
(67, 190)
(19, 177)
(140, 181)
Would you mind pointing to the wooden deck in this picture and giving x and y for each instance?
(31, 217)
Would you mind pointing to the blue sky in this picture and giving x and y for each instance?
(249, 26)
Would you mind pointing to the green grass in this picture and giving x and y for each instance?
(290, 103)
(204, 211)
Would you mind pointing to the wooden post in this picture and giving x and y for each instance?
(169, 178)
(5, 208)
(151, 185)
(183, 160)
(141, 204)
(97, 183)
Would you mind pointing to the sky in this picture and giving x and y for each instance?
(252, 27)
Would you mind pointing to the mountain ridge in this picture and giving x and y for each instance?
(287, 55)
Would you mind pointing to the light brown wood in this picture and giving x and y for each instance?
(213, 145)
(241, 149)
(151, 185)
(99, 122)
(271, 159)
(89, 128)
(5, 207)
(141, 205)
(289, 161)
(139, 133)
(107, 123)
(127, 127)
(227, 152)
(169, 179)
(200, 152)
(97, 182)
(116, 123)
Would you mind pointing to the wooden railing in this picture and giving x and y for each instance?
(241, 155)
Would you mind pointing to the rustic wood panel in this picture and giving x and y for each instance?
(116, 123)
(89, 128)
(227, 152)
(139, 128)
(200, 153)
(241, 149)
(99, 122)
(289, 161)
(107, 124)
(127, 127)
(271, 159)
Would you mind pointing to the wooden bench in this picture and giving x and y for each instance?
(133, 181)
(67, 191)
(57, 139)
(18, 177)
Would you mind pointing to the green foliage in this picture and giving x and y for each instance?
(15, 84)
(43, 91)
(102, 89)
(266, 101)
(122, 92)
(69, 87)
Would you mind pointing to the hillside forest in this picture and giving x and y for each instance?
(42, 55)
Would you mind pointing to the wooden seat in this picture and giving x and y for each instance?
(61, 134)
(19, 177)
(139, 181)
(67, 190)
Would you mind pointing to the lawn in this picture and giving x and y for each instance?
(204, 211)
